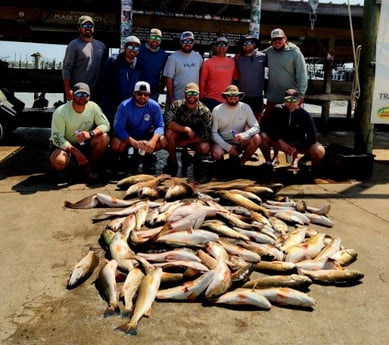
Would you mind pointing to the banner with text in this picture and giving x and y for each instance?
(380, 106)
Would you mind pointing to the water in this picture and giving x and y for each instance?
(28, 98)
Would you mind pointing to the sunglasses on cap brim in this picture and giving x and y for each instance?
(232, 95)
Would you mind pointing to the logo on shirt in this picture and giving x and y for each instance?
(147, 117)
(189, 65)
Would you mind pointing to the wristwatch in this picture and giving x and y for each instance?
(91, 134)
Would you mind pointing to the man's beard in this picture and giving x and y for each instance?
(232, 102)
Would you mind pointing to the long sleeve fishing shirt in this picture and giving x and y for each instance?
(66, 122)
(225, 119)
(287, 69)
(293, 127)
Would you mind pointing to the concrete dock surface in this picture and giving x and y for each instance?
(41, 241)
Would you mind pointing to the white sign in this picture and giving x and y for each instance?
(380, 106)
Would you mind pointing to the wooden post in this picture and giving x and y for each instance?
(255, 18)
(326, 105)
(364, 130)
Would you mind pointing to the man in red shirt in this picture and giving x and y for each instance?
(216, 74)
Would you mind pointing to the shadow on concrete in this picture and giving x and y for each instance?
(29, 170)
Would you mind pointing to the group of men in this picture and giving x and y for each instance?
(213, 107)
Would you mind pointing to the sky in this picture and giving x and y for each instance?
(22, 51)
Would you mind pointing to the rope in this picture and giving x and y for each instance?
(355, 91)
(312, 16)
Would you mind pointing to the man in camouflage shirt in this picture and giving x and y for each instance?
(188, 124)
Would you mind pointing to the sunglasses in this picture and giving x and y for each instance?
(155, 37)
(248, 43)
(221, 45)
(81, 94)
(277, 39)
(134, 48)
(189, 41)
(192, 93)
(233, 95)
(87, 26)
(291, 100)
(141, 93)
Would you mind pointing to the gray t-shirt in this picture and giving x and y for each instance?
(83, 61)
(183, 69)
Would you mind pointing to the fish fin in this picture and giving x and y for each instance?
(90, 201)
(147, 312)
(165, 229)
(126, 313)
(68, 204)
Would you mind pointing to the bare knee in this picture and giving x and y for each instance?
(59, 159)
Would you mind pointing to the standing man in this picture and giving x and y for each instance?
(84, 60)
(121, 72)
(152, 59)
(291, 129)
(182, 67)
(188, 124)
(235, 128)
(250, 73)
(79, 131)
(216, 74)
(287, 69)
(139, 124)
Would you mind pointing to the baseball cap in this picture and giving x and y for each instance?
(156, 32)
(221, 39)
(132, 39)
(277, 33)
(187, 34)
(192, 87)
(246, 38)
(81, 87)
(142, 86)
(85, 19)
(291, 93)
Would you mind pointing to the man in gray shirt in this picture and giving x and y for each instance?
(182, 67)
(84, 58)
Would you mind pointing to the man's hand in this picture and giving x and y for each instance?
(190, 132)
(233, 151)
(81, 159)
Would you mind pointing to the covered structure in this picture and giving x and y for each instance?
(45, 21)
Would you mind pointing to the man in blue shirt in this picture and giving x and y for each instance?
(139, 123)
(151, 61)
(121, 72)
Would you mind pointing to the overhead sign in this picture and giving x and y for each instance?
(380, 106)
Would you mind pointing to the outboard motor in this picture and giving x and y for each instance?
(10, 107)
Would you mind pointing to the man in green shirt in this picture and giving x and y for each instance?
(79, 131)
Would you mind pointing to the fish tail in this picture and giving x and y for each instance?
(68, 204)
(165, 229)
(126, 313)
(127, 328)
(112, 310)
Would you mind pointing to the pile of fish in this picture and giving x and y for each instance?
(233, 243)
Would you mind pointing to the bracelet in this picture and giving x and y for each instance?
(91, 134)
